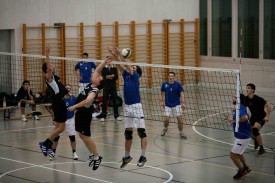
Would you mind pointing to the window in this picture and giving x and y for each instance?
(203, 27)
(221, 28)
(249, 21)
(269, 29)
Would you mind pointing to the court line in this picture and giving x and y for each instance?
(43, 166)
(223, 142)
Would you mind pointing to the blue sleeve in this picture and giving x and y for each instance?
(135, 76)
(125, 72)
(162, 87)
(77, 66)
(93, 65)
(180, 87)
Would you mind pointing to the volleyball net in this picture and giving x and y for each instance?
(208, 92)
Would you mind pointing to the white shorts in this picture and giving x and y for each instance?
(82, 86)
(133, 116)
(70, 127)
(169, 111)
(240, 146)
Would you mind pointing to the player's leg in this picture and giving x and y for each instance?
(167, 114)
(83, 119)
(237, 157)
(70, 128)
(22, 108)
(178, 113)
(257, 136)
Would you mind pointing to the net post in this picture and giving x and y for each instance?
(238, 102)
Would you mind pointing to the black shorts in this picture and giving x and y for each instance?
(59, 110)
(254, 120)
(83, 118)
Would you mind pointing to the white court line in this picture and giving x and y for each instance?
(223, 142)
(78, 175)
(43, 166)
(25, 129)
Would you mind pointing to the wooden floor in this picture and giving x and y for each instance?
(202, 158)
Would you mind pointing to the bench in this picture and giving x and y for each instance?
(7, 111)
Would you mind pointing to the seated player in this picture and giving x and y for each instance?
(25, 96)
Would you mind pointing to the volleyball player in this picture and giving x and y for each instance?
(243, 138)
(173, 102)
(83, 115)
(85, 71)
(69, 100)
(133, 113)
(259, 117)
(58, 91)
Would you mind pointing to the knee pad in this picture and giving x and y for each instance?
(141, 133)
(128, 134)
(255, 132)
(56, 138)
(72, 138)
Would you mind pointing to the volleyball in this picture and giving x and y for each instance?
(126, 53)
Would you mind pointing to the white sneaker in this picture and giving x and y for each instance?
(102, 119)
(24, 119)
(164, 131)
(36, 117)
(52, 156)
(118, 119)
(75, 157)
(182, 135)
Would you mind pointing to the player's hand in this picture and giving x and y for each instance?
(183, 106)
(230, 120)
(72, 108)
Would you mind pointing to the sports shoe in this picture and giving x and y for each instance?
(164, 131)
(125, 161)
(95, 162)
(52, 156)
(101, 115)
(91, 162)
(43, 148)
(118, 119)
(75, 157)
(141, 161)
(261, 151)
(102, 119)
(247, 169)
(182, 135)
(36, 117)
(24, 119)
(239, 175)
(256, 145)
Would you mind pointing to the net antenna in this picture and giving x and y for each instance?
(239, 80)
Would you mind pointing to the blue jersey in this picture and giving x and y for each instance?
(172, 93)
(131, 88)
(244, 131)
(70, 102)
(85, 70)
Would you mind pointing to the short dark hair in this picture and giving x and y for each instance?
(26, 82)
(139, 71)
(252, 86)
(171, 72)
(44, 68)
(85, 53)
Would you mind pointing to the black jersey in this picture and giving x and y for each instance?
(84, 94)
(62, 90)
(256, 106)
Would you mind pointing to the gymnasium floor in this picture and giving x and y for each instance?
(202, 158)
